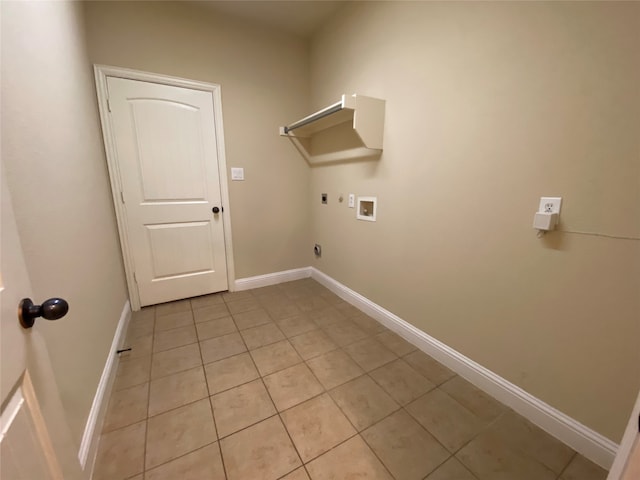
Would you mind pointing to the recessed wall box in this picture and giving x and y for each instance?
(367, 208)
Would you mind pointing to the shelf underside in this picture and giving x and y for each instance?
(350, 129)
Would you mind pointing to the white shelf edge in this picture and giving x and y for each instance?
(366, 117)
(326, 111)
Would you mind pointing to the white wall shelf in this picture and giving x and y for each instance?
(350, 129)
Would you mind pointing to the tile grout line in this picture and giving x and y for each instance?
(514, 450)
(176, 458)
(261, 377)
(403, 408)
(208, 397)
(153, 351)
(438, 387)
(327, 391)
(474, 437)
(400, 407)
(171, 409)
(342, 348)
(146, 424)
(559, 477)
(355, 428)
(328, 394)
(151, 356)
(206, 381)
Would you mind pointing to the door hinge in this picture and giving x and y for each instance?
(109, 105)
(135, 279)
(122, 196)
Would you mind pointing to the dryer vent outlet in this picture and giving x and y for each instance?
(317, 250)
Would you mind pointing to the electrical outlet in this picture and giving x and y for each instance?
(352, 200)
(550, 204)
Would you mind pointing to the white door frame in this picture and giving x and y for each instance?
(101, 74)
(627, 443)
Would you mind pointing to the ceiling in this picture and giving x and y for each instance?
(300, 17)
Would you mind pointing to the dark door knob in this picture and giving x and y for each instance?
(51, 309)
(215, 210)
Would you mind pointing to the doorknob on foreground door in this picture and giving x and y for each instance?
(51, 309)
(215, 210)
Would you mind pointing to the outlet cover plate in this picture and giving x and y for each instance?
(352, 200)
(550, 204)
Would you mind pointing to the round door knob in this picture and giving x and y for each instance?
(215, 210)
(51, 309)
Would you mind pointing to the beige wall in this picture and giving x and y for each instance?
(57, 177)
(264, 82)
(489, 107)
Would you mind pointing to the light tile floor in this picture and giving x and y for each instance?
(290, 382)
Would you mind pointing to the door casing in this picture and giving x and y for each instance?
(628, 446)
(101, 73)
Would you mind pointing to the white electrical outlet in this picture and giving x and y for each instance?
(550, 204)
(352, 200)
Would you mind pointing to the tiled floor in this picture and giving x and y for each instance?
(290, 382)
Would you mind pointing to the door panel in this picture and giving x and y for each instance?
(193, 238)
(169, 131)
(24, 432)
(167, 158)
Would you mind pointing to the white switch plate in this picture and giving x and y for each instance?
(550, 204)
(237, 174)
(352, 200)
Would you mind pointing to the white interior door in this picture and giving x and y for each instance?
(167, 159)
(35, 441)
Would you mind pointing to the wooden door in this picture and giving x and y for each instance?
(167, 160)
(35, 441)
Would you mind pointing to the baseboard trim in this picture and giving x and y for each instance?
(89, 443)
(272, 279)
(582, 439)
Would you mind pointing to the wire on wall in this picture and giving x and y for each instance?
(595, 234)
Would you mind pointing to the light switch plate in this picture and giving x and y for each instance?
(237, 173)
(550, 204)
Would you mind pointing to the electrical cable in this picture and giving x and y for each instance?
(595, 234)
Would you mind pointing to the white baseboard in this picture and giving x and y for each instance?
(272, 279)
(589, 443)
(89, 443)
